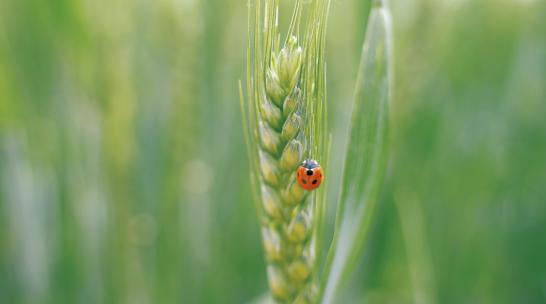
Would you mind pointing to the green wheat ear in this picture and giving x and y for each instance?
(287, 225)
(284, 121)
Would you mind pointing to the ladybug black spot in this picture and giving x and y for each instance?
(309, 172)
(304, 181)
(314, 182)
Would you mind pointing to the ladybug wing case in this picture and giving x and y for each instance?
(309, 179)
(317, 177)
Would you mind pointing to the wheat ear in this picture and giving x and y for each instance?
(284, 121)
(287, 224)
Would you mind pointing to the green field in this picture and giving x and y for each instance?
(124, 174)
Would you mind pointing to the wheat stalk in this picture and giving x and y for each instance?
(284, 121)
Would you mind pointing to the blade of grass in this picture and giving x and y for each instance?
(366, 157)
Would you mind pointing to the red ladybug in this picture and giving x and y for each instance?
(309, 175)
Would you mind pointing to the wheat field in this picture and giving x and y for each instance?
(124, 175)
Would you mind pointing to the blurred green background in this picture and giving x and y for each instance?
(124, 179)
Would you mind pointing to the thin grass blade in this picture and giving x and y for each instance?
(366, 156)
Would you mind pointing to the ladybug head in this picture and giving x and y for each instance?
(310, 164)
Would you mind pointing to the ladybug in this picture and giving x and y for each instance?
(309, 175)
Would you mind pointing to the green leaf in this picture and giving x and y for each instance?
(366, 156)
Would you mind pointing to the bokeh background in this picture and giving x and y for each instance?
(123, 174)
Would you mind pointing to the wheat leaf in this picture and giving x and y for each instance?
(366, 157)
